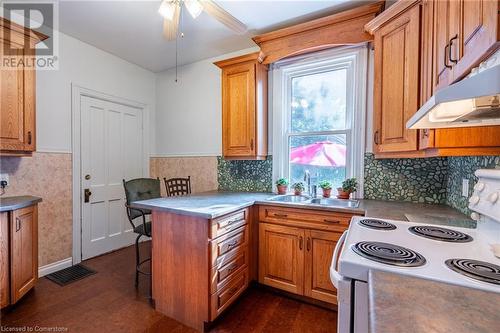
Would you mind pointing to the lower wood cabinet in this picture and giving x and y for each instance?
(296, 248)
(18, 253)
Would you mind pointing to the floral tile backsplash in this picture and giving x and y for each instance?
(464, 167)
(249, 176)
(426, 180)
(404, 179)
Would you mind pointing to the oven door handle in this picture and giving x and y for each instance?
(334, 274)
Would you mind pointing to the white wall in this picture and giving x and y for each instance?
(92, 68)
(189, 112)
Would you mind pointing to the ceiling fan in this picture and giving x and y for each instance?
(171, 10)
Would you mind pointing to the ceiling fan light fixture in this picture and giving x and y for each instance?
(167, 9)
(194, 7)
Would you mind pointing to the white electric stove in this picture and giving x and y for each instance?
(459, 256)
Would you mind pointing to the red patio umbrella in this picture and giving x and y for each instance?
(324, 153)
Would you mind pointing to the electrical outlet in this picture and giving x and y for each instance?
(465, 187)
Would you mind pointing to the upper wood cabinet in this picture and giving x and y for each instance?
(452, 37)
(18, 253)
(397, 47)
(17, 90)
(244, 107)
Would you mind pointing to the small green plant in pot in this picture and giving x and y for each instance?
(349, 186)
(298, 188)
(326, 186)
(282, 185)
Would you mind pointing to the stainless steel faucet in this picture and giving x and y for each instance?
(311, 189)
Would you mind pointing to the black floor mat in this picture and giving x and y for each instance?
(70, 274)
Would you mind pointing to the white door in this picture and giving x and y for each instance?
(111, 150)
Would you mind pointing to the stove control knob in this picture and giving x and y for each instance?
(474, 216)
(474, 200)
(479, 187)
(493, 197)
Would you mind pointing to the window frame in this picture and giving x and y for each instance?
(355, 61)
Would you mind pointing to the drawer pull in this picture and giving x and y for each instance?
(280, 215)
(331, 221)
(233, 290)
(232, 268)
(229, 223)
(232, 244)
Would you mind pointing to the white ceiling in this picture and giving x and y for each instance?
(132, 30)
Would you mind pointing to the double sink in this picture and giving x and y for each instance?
(306, 200)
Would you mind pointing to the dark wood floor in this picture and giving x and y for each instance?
(108, 302)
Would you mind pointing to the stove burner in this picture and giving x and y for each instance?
(475, 269)
(389, 254)
(440, 234)
(377, 224)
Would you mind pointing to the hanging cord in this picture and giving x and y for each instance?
(181, 28)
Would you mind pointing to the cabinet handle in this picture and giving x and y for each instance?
(445, 58)
(29, 137)
(331, 221)
(449, 50)
(280, 215)
(18, 224)
(308, 244)
(233, 243)
(301, 243)
(425, 133)
(375, 137)
(251, 144)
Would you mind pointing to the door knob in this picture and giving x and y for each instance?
(87, 195)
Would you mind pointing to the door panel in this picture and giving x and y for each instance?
(477, 31)
(24, 251)
(396, 82)
(319, 252)
(281, 257)
(12, 107)
(239, 110)
(442, 36)
(4, 260)
(111, 151)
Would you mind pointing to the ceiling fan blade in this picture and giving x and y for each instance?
(223, 17)
(170, 27)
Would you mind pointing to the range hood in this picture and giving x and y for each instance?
(474, 101)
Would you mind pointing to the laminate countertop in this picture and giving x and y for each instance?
(400, 303)
(18, 202)
(210, 205)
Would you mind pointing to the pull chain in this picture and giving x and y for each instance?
(181, 25)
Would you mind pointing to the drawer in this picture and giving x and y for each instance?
(228, 293)
(225, 224)
(315, 219)
(225, 270)
(228, 244)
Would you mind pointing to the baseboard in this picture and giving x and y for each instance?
(55, 266)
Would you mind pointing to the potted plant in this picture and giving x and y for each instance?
(326, 186)
(349, 186)
(298, 188)
(282, 185)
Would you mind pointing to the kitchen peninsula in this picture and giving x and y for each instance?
(206, 247)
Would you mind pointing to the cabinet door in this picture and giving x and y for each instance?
(477, 32)
(443, 29)
(17, 104)
(4, 260)
(281, 257)
(238, 110)
(397, 46)
(23, 251)
(11, 106)
(319, 252)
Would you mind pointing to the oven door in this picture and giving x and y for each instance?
(352, 297)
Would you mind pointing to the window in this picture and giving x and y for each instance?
(319, 116)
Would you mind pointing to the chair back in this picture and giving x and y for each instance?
(140, 189)
(178, 186)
